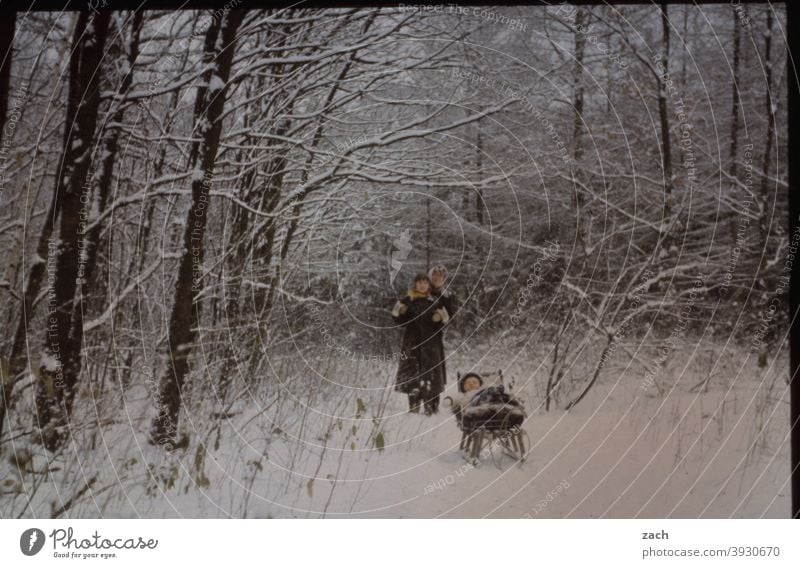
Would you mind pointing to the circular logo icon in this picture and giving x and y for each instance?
(31, 541)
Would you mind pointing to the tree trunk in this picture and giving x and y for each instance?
(17, 359)
(57, 378)
(144, 232)
(7, 25)
(102, 186)
(219, 47)
(577, 124)
(427, 234)
(764, 214)
(734, 147)
(478, 191)
(233, 283)
(263, 247)
(663, 112)
(686, 48)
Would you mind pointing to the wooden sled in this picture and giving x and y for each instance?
(494, 430)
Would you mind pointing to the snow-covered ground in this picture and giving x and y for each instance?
(351, 450)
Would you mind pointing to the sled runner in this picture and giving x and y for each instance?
(490, 421)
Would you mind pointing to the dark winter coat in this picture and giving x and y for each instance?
(447, 299)
(449, 302)
(421, 361)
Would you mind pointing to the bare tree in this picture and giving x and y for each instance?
(61, 361)
(218, 52)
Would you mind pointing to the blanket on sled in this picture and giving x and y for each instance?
(493, 409)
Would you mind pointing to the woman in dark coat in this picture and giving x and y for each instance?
(421, 371)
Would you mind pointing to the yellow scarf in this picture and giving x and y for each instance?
(414, 295)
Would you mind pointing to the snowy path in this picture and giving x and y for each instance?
(637, 460)
(679, 455)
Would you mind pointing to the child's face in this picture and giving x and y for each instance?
(421, 286)
(472, 384)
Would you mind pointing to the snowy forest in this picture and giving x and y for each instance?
(206, 218)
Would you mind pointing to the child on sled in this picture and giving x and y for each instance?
(490, 407)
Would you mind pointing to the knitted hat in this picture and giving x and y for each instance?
(463, 379)
(438, 269)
